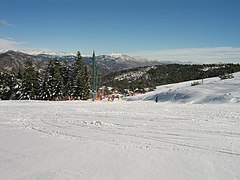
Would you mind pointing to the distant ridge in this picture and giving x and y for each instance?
(14, 60)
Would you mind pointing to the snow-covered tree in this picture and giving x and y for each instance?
(5, 86)
(30, 83)
(52, 84)
(66, 74)
(80, 79)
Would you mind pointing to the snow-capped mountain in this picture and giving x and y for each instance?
(121, 62)
(46, 52)
(111, 62)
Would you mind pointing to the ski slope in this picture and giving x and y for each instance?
(212, 91)
(175, 139)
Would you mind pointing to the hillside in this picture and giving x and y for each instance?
(13, 61)
(144, 78)
(213, 90)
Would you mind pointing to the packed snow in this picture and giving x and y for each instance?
(179, 138)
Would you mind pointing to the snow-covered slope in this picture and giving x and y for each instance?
(126, 140)
(213, 90)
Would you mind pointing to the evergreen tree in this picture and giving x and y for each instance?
(52, 85)
(30, 83)
(16, 86)
(86, 84)
(80, 79)
(57, 81)
(45, 93)
(5, 86)
(66, 74)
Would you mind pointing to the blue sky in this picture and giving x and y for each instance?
(120, 26)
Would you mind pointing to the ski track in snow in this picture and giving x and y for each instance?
(174, 128)
(143, 129)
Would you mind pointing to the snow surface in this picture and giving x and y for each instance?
(124, 139)
(213, 90)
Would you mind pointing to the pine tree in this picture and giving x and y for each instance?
(45, 93)
(86, 84)
(52, 85)
(30, 83)
(80, 79)
(16, 86)
(5, 86)
(66, 74)
(57, 81)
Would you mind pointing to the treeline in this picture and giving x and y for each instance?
(166, 74)
(58, 81)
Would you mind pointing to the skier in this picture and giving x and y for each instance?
(156, 99)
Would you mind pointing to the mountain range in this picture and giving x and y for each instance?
(15, 60)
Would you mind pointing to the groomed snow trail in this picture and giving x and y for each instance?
(120, 140)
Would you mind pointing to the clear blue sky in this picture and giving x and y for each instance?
(120, 26)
